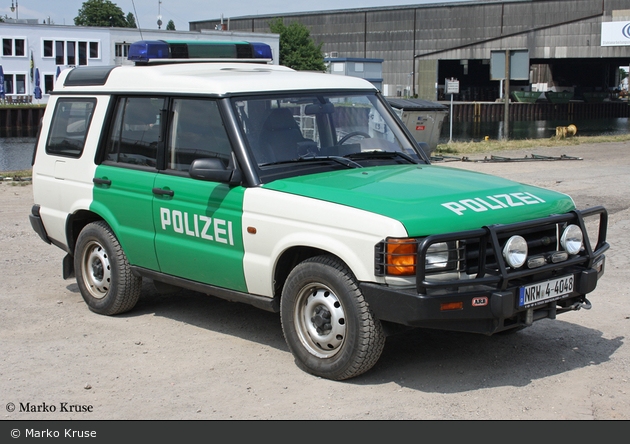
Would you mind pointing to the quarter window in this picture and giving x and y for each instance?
(69, 127)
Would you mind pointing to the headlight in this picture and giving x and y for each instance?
(437, 256)
(571, 239)
(515, 251)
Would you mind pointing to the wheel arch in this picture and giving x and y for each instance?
(75, 223)
(292, 257)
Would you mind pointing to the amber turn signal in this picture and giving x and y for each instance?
(451, 306)
(401, 257)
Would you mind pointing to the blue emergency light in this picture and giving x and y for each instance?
(146, 51)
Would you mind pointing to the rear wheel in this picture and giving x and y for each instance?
(327, 324)
(103, 273)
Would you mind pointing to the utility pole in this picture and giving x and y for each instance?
(159, 21)
(506, 96)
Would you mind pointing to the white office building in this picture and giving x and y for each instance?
(31, 48)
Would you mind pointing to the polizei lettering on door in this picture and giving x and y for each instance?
(496, 202)
(197, 225)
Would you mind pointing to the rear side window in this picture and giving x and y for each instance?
(136, 131)
(69, 127)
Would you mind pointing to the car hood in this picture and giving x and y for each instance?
(429, 199)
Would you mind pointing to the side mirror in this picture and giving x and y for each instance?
(213, 170)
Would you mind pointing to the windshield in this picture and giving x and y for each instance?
(332, 129)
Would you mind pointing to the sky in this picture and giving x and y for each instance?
(63, 12)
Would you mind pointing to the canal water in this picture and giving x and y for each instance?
(532, 129)
(16, 153)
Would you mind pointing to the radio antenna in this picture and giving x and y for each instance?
(137, 19)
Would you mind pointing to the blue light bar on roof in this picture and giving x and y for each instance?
(160, 50)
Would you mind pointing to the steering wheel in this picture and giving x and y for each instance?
(345, 138)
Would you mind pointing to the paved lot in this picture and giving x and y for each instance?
(191, 356)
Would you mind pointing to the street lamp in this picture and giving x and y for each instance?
(14, 8)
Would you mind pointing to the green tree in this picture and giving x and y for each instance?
(101, 13)
(170, 26)
(297, 48)
(131, 21)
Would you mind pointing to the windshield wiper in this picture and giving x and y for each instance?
(341, 160)
(381, 155)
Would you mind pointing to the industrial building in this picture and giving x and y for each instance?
(573, 46)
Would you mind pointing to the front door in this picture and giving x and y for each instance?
(198, 223)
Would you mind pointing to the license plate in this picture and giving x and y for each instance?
(545, 291)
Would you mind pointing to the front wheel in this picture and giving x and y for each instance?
(327, 324)
(103, 274)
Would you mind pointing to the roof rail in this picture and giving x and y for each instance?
(161, 51)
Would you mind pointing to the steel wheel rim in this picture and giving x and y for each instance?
(320, 320)
(96, 270)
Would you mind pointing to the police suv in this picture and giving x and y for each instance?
(297, 192)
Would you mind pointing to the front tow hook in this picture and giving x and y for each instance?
(586, 305)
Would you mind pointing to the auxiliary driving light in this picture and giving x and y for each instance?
(571, 239)
(515, 251)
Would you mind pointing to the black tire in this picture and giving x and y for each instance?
(327, 324)
(105, 279)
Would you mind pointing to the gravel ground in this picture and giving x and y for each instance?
(190, 356)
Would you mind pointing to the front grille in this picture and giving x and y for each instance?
(475, 257)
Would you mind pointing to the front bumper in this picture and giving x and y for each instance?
(488, 302)
(484, 311)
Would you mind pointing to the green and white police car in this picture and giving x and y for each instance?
(300, 193)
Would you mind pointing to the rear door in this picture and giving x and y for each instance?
(124, 181)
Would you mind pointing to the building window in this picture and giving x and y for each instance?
(59, 53)
(94, 50)
(20, 83)
(19, 47)
(7, 47)
(49, 83)
(122, 49)
(8, 83)
(14, 47)
(71, 48)
(82, 53)
(14, 84)
(48, 48)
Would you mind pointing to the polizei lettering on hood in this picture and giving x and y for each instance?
(495, 202)
(197, 225)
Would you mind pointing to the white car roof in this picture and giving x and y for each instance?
(207, 78)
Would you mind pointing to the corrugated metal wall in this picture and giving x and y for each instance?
(548, 28)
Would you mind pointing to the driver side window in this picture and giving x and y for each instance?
(196, 132)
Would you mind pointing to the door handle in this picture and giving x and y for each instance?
(163, 192)
(99, 181)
